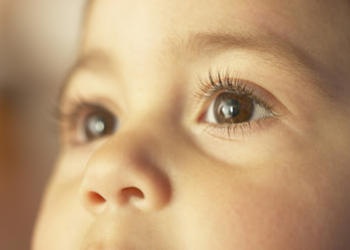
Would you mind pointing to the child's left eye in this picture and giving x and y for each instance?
(235, 105)
(228, 107)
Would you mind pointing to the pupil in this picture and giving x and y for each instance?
(96, 125)
(230, 108)
(233, 108)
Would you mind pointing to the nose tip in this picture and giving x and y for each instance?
(138, 185)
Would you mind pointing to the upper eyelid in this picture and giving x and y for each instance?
(220, 81)
(72, 107)
(72, 114)
(223, 80)
(271, 47)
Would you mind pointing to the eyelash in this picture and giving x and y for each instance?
(226, 82)
(221, 82)
(69, 120)
(208, 89)
(71, 116)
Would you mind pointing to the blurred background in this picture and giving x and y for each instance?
(38, 44)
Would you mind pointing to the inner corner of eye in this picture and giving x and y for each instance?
(209, 114)
(202, 117)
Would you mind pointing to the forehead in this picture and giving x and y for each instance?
(152, 20)
(141, 25)
(177, 16)
(135, 32)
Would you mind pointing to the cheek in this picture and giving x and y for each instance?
(255, 215)
(272, 219)
(62, 223)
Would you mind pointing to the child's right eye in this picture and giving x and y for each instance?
(87, 123)
(98, 123)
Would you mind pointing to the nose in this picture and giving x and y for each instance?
(124, 173)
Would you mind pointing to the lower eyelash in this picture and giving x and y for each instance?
(237, 130)
(227, 130)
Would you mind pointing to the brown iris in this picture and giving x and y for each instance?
(233, 108)
(99, 123)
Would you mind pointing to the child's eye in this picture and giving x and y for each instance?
(228, 108)
(232, 104)
(86, 122)
(98, 123)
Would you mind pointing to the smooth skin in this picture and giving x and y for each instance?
(168, 178)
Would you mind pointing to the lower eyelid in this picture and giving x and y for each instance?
(237, 131)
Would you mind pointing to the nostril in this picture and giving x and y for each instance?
(95, 202)
(95, 198)
(132, 193)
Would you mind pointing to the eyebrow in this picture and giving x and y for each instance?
(271, 43)
(96, 59)
(205, 43)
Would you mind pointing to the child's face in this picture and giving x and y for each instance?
(216, 125)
